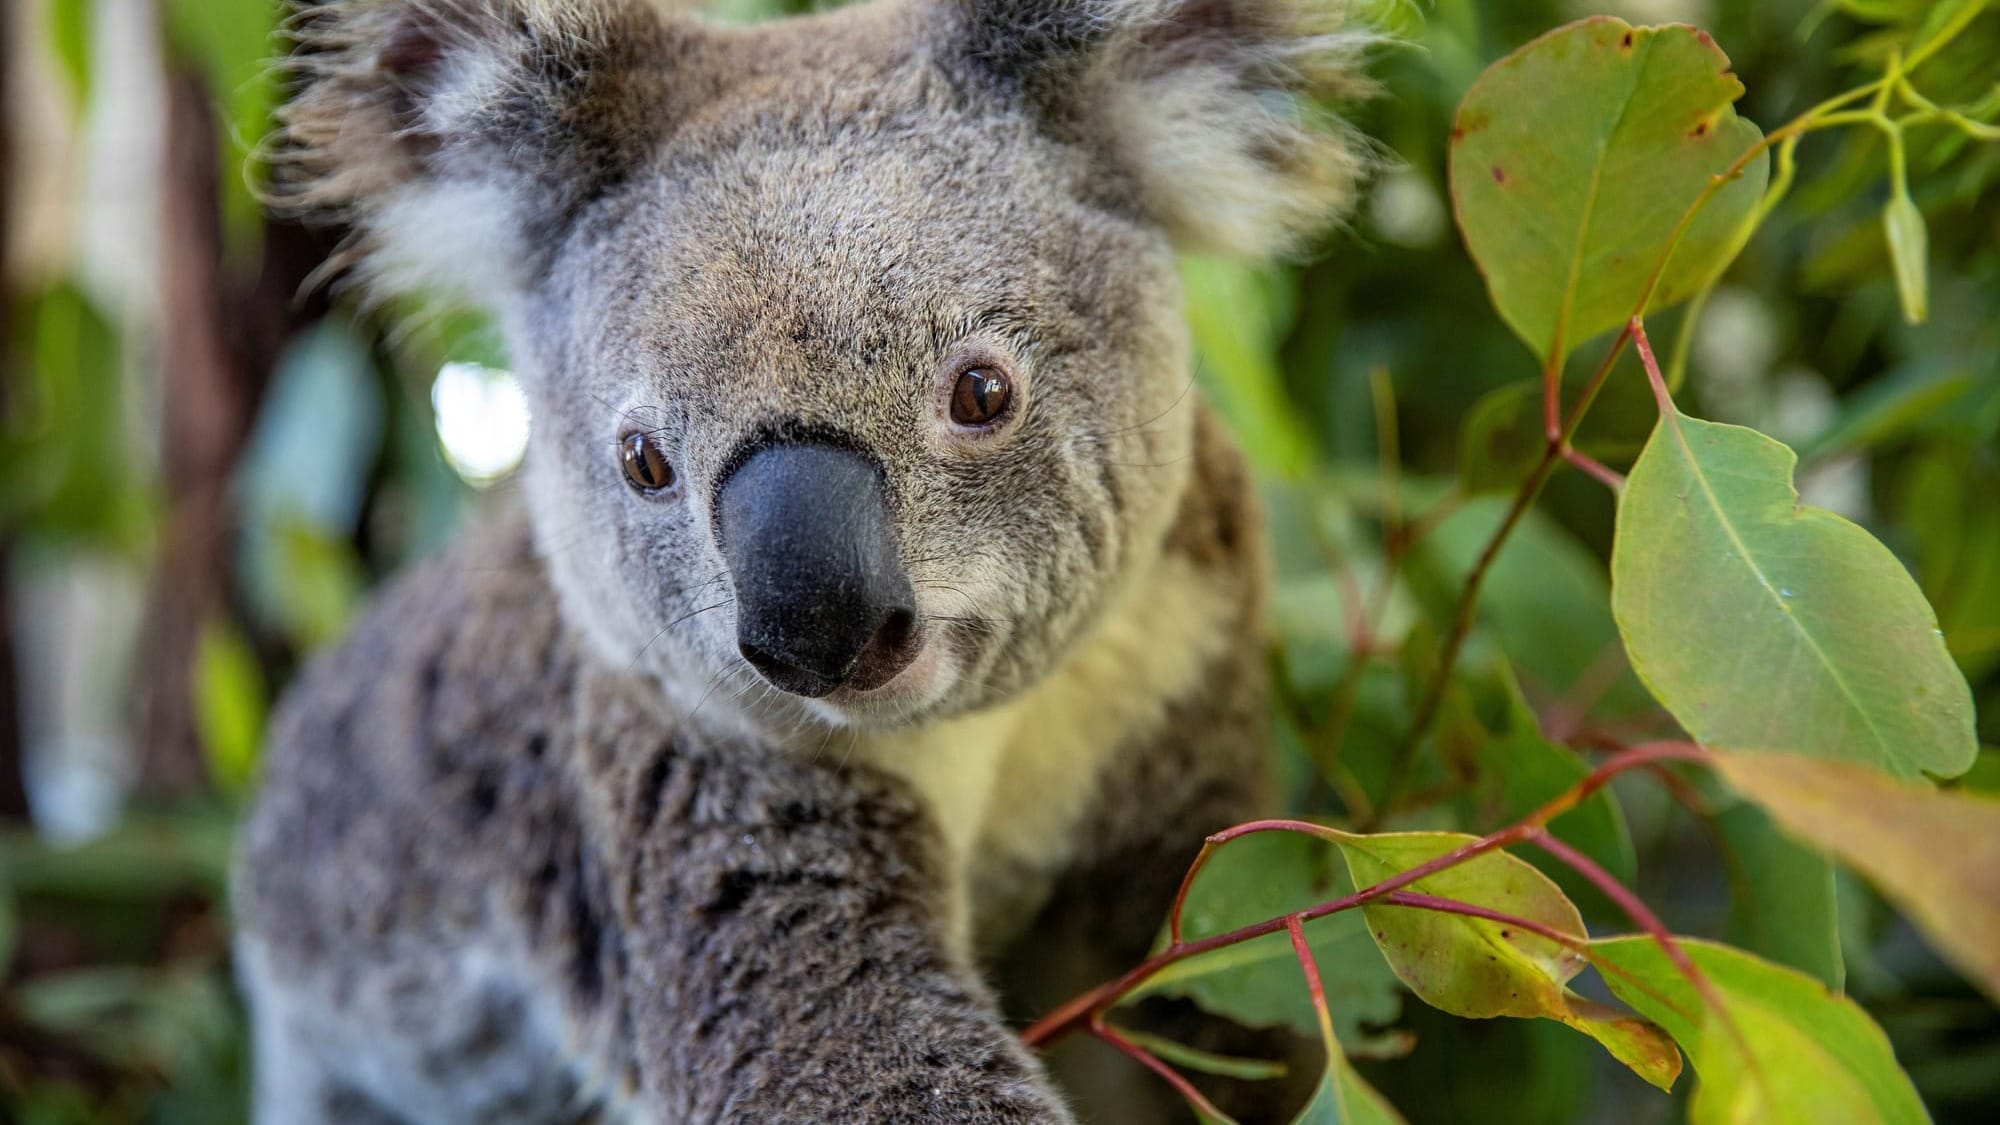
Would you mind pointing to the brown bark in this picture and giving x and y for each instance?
(224, 330)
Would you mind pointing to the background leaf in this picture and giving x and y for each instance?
(1936, 855)
(1257, 982)
(1574, 158)
(1782, 902)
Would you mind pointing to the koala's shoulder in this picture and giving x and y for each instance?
(474, 629)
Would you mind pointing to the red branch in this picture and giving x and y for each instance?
(1296, 926)
(1089, 1006)
(1652, 366)
(1608, 477)
(1158, 1066)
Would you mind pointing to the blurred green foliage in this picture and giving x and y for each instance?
(1390, 411)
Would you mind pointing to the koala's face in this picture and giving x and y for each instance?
(854, 343)
(878, 425)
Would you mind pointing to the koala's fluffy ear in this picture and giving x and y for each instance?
(458, 136)
(1213, 108)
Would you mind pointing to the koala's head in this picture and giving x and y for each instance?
(853, 342)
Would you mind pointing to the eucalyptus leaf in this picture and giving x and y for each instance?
(1480, 968)
(1572, 162)
(1345, 1098)
(1935, 855)
(1760, 622)
(1783, 1050)
(1782, 904)
(229, 704)
(1521, 771)
(1237, 317)
(69, 41)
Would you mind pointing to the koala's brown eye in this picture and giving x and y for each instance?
(645, 468)
(980, 395)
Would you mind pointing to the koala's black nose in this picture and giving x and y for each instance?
(821, 598)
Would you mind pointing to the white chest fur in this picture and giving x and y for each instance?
(1012, 786)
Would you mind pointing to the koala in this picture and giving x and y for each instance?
(875, 634)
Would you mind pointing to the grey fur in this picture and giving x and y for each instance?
(535, 843)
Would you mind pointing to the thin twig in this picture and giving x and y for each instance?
(1153, 1063)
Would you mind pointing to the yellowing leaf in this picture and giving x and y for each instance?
(1572, 162)
(1463, 965)
(1789, 1053)
(1478, 967)
(1759, 621)
(1633, 1041)
(1935, 855)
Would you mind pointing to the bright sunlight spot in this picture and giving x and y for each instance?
(482, 420)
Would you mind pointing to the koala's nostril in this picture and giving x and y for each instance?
(786, 675)
(888, 652)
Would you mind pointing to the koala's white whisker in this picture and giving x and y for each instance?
(1167, 464)
(725, 673)
(1156, 419)
(671, 625)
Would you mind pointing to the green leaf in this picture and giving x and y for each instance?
(1935, 855)
(1893, 406)
(1234, 315)
(56, 450)
(1903, 225)
(1760, 622)
(1782, 904)
(1345, 1098)
(1257, 983)
(1205, 1062)
(1949, 506)
(1789, 1053)
(229, 704)
(1479, 968)
(10, 925)
(146, 858)
(1468, 966)
(1544, 602)
(1573, 160)
(69, 41)
(1501, 438)
(1342, 1097)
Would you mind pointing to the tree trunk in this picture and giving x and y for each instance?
(224, 332)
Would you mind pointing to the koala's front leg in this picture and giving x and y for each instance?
(786, 957)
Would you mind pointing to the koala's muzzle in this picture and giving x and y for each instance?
(821, 597)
